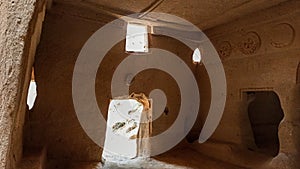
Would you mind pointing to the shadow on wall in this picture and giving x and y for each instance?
(298, 75)
(297, 93)
(265, 114)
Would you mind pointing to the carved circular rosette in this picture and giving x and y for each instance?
(224, 49)
(250, 43)
(282, 35)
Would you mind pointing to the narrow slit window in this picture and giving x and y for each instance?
(136, 38)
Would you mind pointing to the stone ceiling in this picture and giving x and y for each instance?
(204, 14)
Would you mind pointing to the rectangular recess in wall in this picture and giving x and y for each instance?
(259, 89)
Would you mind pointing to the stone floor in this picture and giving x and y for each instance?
(181, 158)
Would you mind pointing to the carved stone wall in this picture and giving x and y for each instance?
(20, 28)
(252, 40)
(260, 52)
(298, 75)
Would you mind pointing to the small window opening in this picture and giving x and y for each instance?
(136, 38)
(196, 56)
(265, 114)
(32, 92)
